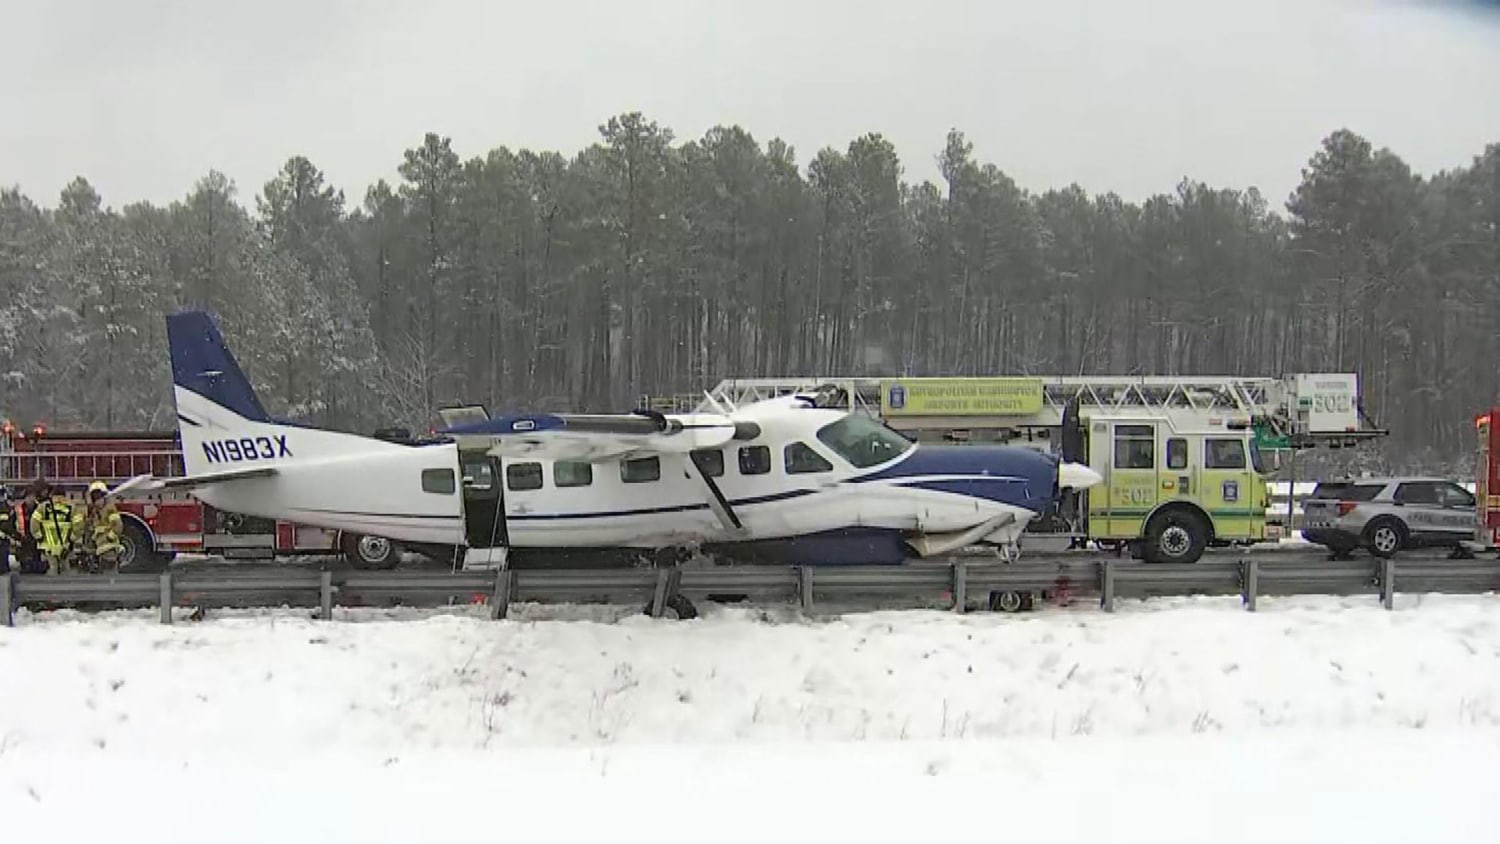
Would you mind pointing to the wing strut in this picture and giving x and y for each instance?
(716, 500)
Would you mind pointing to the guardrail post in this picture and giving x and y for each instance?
(500, 601)
(960, 586)
(166, 597)
(7, 601)
(805, 589)
(325, 593)
(1388, 583)
(659, 597)
(1252, 583)
(1107, 586)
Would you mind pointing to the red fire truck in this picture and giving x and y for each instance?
(160, 526)
(1487, 479)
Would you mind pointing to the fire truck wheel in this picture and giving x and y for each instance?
(1176, 536)
(371, 552)
(136, 552)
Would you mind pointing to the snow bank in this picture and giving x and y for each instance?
(1314, 709)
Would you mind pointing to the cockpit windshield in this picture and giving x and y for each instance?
(863, 441)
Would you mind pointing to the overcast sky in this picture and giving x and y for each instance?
(143, 97)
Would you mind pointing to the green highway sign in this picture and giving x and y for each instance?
(1267, 441)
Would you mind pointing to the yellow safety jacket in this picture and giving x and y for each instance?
(52, 525)
(98, 530)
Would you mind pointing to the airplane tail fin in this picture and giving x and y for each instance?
(221, 420)
(203, 365)
(226, 432)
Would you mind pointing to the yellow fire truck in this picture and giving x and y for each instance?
(1184, 458)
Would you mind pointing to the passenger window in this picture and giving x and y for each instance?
(438, 481)
(802, 460)
(710, 461)
(567, 473)
(642, 470)
(523, 476)
(1417, 492)
(755, 460)
(1177, 454)
(1224, 454)
(1135, 447)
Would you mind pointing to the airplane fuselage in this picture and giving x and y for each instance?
(784, 484)
(781, 480)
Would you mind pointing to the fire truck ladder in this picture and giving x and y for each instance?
(1229, 394)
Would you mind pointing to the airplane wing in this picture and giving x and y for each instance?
(594, 438)
(598, 437)
(151, 483)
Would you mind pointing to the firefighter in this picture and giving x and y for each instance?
(97, 528)
(7, 530)
(28, 555)
(52, 525)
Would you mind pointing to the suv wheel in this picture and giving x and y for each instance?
(1385, 537)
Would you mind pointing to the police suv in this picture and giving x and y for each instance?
(1386, 515)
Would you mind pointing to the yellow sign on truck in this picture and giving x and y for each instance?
(960, 396)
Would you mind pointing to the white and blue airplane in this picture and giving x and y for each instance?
(784, 480)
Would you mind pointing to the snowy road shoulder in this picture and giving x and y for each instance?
(1311, 707)
(1366, 786)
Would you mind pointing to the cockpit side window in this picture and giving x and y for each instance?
(863, 441)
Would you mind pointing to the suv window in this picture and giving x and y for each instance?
(1417, 492)
(1456, 496)
(1346, 491)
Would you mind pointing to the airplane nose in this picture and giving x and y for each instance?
(1077, 476)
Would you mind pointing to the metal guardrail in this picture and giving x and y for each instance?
(961, 585)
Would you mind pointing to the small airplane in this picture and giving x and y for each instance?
(787, 480)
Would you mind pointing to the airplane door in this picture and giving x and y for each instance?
(484, 502)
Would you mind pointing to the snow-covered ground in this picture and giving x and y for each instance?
(1172, 720)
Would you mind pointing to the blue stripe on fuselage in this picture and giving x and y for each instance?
(652, 511)
(1014, 475)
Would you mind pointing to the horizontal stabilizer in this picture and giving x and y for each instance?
(150, 483)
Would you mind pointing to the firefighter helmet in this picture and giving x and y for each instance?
(98, 487)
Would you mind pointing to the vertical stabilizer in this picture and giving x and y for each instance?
(222, 422)
(203, 365)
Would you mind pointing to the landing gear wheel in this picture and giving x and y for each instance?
(1176, 536)
(1385, 537)
(371, 552)
(1010, 602)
